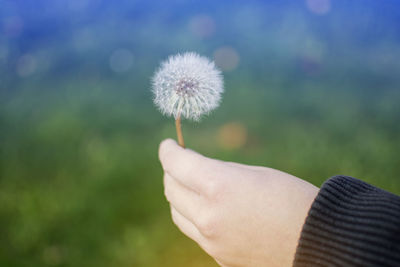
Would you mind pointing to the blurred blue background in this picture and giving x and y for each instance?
(312, 88)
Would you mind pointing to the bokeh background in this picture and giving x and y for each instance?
(312, 88)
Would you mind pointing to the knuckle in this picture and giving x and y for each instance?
(208, 226)
(213, 189)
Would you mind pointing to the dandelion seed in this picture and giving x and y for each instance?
(187, 85)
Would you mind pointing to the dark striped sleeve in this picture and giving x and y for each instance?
(351, 223)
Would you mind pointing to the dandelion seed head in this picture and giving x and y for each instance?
(187, 85)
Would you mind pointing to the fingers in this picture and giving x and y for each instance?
(186, 227)
(244, 166)
(184, 200)
(187, 166)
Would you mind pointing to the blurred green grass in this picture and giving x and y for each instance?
(80, 181)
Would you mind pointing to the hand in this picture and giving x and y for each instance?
(240, 215)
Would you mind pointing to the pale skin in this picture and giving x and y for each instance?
(240, 215)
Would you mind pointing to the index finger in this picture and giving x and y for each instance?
(185, 165)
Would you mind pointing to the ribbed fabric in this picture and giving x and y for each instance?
(351, 223)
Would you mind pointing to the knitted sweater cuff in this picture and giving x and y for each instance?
(351, 223)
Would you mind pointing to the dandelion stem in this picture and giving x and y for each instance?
(179, 131)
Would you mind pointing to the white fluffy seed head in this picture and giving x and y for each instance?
(187, 85)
